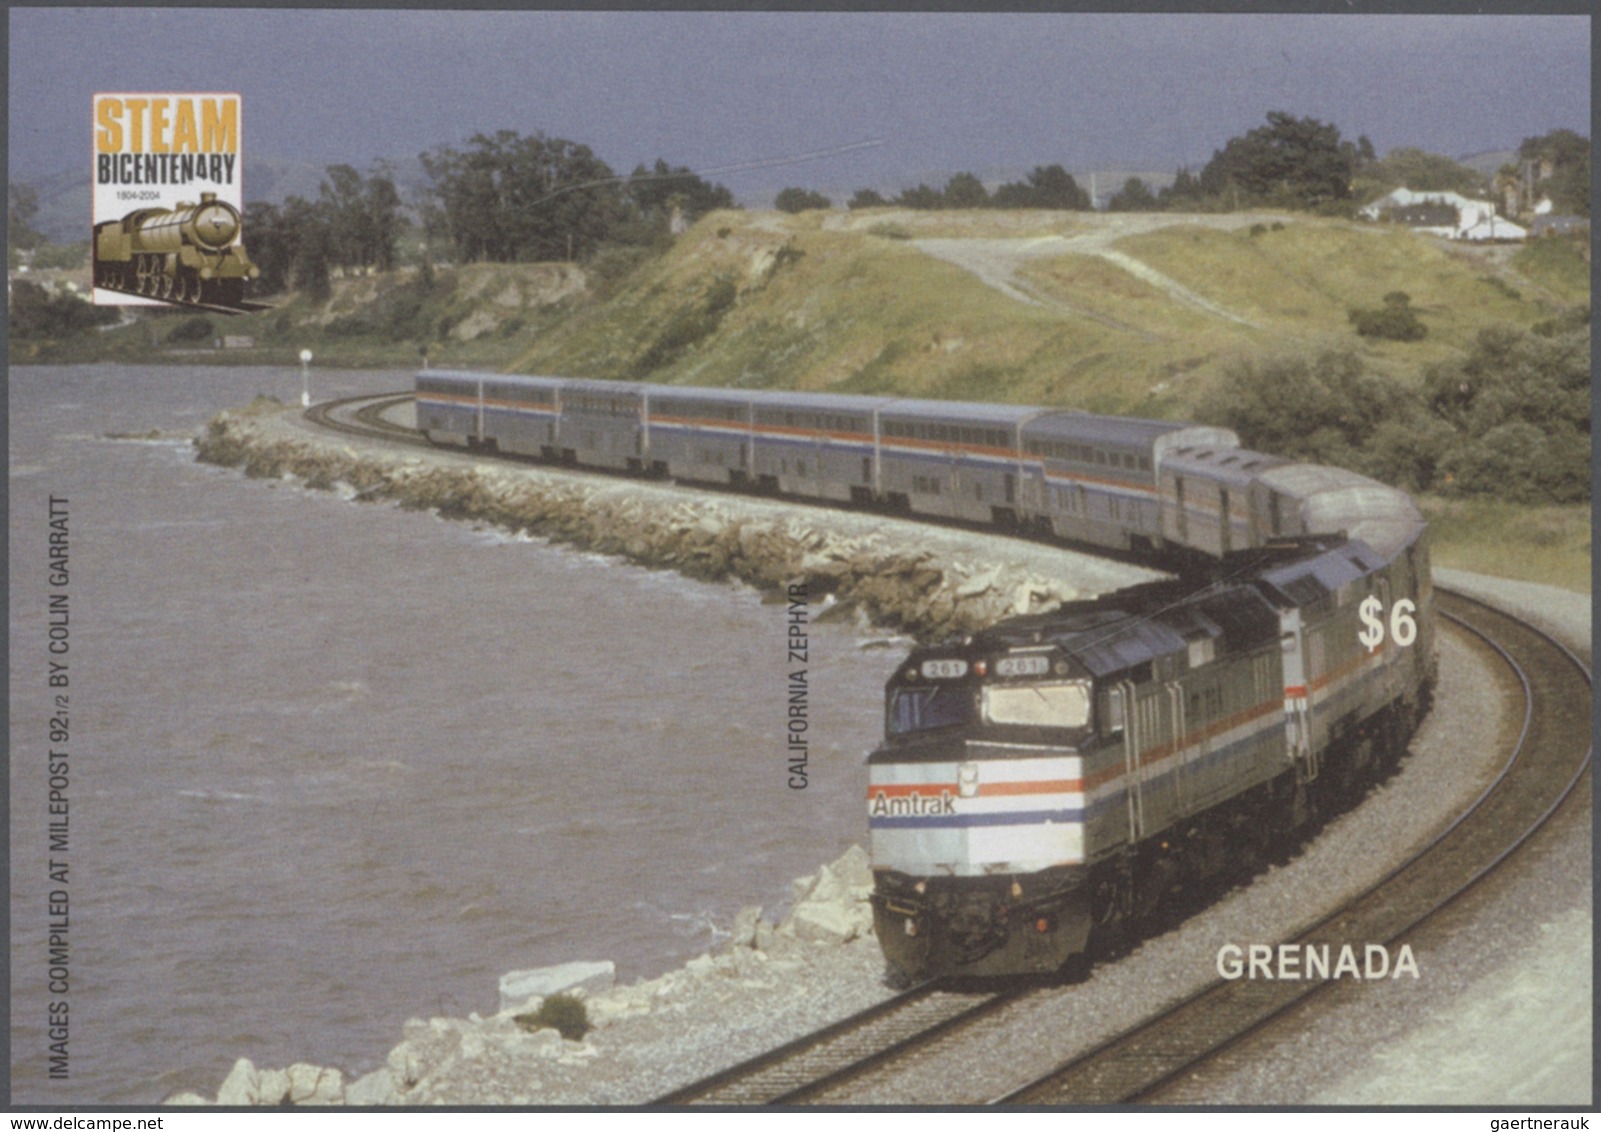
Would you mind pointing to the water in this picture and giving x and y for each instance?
(334, 765)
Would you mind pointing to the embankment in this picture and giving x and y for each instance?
(900, 576)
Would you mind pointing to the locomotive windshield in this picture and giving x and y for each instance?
(921, 709)
(1038, 705)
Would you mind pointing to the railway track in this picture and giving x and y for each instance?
(1550, 758)
(835, 1054)
(364, 416)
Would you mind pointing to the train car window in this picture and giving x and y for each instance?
(1145, 463)
(1100, 457)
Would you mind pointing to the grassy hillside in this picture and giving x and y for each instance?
(1129, 314)
(1139, 314)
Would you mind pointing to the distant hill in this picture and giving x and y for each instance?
(1489, 161)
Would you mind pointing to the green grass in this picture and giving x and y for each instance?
(848, 302)
(1559, 266)
(1545, 544)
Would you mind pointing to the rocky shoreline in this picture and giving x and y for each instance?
(769, 982)
(857, 564)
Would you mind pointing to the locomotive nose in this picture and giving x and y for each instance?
(215, 224)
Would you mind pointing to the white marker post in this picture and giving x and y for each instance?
(305, 379)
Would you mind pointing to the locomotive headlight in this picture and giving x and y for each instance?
(967, 780)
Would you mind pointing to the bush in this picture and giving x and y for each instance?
(1511, 419)
(1395, 320)
(688, 327)
(800, 200)
(67, 256)
(1325, 411)
(36, 313)
(564, 1013)
(197, 329)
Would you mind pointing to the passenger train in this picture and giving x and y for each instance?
(1055, 779)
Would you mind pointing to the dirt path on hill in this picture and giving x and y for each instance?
(997, 261)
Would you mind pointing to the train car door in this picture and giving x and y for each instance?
(1121, 704)
(1297, 720)
(1176, 730)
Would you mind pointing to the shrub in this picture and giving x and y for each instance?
(1395, 320)
(688, 327)
(564, 1013)
(800, 200)
(38, 313)
(197, 329)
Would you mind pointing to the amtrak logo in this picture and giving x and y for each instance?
(914, 805)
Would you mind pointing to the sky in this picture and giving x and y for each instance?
(833, 100)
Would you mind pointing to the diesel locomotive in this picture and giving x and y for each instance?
(1057, 778)
(191, 254)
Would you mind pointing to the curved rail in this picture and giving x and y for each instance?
(841, 1050)
(367, 420)
(1550, 758)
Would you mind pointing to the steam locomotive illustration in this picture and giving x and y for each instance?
(1057, 778)
(191, 254)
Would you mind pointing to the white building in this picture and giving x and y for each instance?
(1476, 219)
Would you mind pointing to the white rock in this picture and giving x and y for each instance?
(979, 583)
(186, 1100)
(825, 923)
(743, 933)
(519, 988)
(377, 1087)
(271, 1088)
(314, 1085)
(239, 1086)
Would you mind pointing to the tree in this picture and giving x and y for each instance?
(1047, 186)
(309, 231)
(38, 313)
(1561, 165)
(271, 244)
(1291, 162)
(1184, 193)
(1422, 171)
(1134, 196)
(866, 198)
(964, 190)
(920, 197)
(508, 198)
(800, 200)
(22, 205)
(654, 192)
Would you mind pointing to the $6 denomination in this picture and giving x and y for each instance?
(1403, 628)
